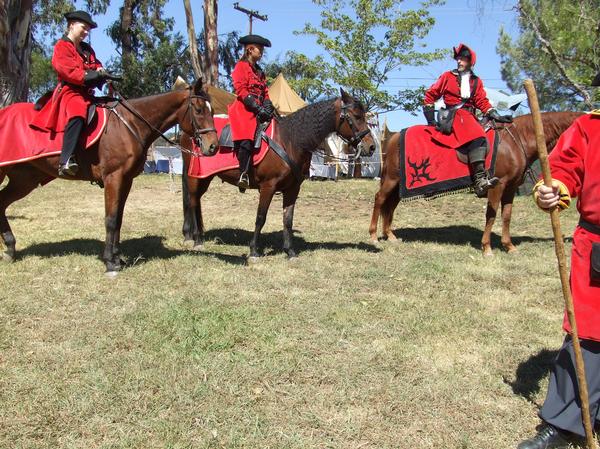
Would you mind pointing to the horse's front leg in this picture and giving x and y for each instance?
(493, 203)
(116, 191)
(289, 203)
(266, 195)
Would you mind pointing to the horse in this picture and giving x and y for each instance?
(116, 158)
(298, 134)
(516, 152)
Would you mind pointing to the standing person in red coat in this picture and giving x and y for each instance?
(463, 91)
(575, 165)
(252, 103)
(79, 72)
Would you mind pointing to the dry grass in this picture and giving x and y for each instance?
(423, 344)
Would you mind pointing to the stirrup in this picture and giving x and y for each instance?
(244, 182)
(70, 168)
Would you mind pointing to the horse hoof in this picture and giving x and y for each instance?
(111, 274)
(189, 243)
(253, 259)
(292, 257)
(8, 258)
(488, 253)
(512, 250)
(199, 247)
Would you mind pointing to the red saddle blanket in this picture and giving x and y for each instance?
(428, 170)
(20, 143)
(225, 158)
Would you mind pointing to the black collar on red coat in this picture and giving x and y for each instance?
(86, 49)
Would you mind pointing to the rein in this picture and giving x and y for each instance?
(121, 99)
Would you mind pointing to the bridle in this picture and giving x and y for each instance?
(346, 117)
(196, 130)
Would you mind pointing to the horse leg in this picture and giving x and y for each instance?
(266, 195)
(387, 213)
(187, 216)
(493, 203)
(116, 191)
(507, 205)
(289, 202)
(382, 198)
(18, 187)
(199, 189)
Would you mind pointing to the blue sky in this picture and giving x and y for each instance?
(456, 21)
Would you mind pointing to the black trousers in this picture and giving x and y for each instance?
(243, 149)
(71, 138)
(562, 407)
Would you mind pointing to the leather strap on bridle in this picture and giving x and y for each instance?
(357, 135)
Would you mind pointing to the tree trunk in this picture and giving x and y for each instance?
(193, 44)
(211, 43)
(15, 50)
(126, 26)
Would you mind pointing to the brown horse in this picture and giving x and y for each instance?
(516, 152)
(298, 135)
(116, 158)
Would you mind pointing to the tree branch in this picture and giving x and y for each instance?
(554, 56)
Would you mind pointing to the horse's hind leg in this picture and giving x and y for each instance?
(387, 213)
(507, 205)
(383, 200)
(493, 203)
(198, 189)
(289, 203)
(20, 184)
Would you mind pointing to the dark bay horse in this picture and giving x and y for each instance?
(298, 134)
(516, 152)
(116, 158)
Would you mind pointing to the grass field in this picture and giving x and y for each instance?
(422, 344)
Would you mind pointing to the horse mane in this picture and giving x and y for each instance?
(306, 128)
(555, 123)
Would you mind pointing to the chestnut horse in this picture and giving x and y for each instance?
(298, 134)
(116, 158)
(516, 152)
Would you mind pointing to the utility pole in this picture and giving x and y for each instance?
(251, 13)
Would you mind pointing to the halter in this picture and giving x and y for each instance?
(357, 136)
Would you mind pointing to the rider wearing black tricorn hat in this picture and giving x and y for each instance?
(252, 102)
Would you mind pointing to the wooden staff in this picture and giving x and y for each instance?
(559, 247)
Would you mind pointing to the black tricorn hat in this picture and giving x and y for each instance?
(596, 81)
(81, 16)
(254, 39)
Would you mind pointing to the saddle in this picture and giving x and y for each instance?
(226, 140)
(91, 113)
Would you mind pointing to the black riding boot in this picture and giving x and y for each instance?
(481, 180)
(67, 164)
(244, 155)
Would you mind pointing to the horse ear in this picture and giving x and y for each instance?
(180, 84)
(346, 98)
(198, 86)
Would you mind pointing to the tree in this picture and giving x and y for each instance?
(211, 43)
(192, 41)
(558, 48)
(308, 77)
(367, 40)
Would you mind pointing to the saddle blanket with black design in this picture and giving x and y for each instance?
(21, 143)
(429, 170)
(225, 159)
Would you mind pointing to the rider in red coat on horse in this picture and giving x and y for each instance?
(79, 72)
(252, 102)
(575, 165)
(463, 91)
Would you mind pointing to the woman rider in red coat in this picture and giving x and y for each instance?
(252, 102)
(79, 72)
(463, 90)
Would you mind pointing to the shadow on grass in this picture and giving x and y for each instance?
(140, 249)
(273, 241)
(458, 235)
(530, 373)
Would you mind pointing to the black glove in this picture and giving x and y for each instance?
(429, 113)
(113, 77)
(264, 115)
(268, 106)
(493, 114)
(251, 104)
(92, 78)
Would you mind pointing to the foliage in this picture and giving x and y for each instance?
(558, 47)
(367, 40)
(48, 16)
(308, 77)
(228, 55)
(42, 75)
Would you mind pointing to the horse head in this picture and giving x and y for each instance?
(196, 118)
(351, 124)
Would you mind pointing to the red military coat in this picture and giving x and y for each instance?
(247, 80)
(576, 162)
(465, 127)
(71, 97)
